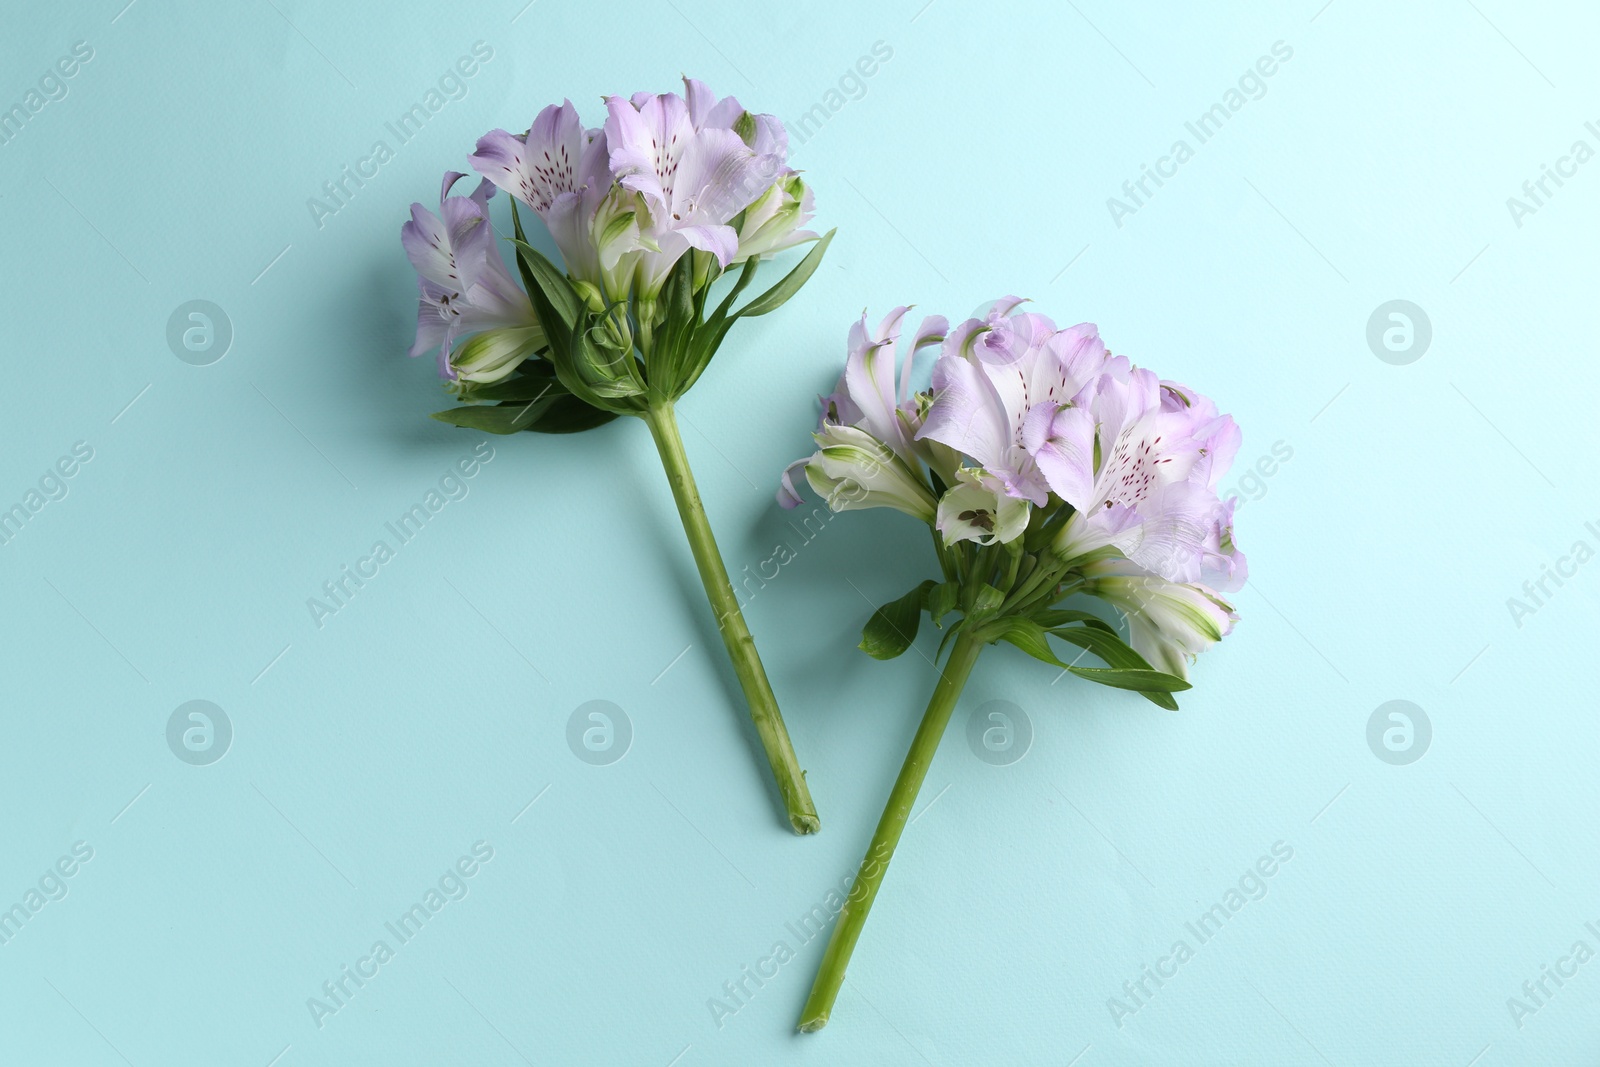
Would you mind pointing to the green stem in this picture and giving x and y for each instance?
(730, 621)
(853, 916)
(1045, 575)
(1013, 561)
(944, 557)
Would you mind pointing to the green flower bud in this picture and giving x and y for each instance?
(494, 354)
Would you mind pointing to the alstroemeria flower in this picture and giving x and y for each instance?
(562, 171)
(868, 398)
(853, 470)
(692, 180)
(869, 394)
(1140, 472)
(764, 133)
(464, 285)
(978, 508)
(1169, 623)
(772, 222)
(993, 375)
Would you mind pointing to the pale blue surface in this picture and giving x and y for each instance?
(371, 753)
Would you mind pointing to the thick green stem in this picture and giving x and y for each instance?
(864, 891)
(730, 621)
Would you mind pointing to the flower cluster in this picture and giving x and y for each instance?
(648, 212)
(1040, 455)
(666, 180)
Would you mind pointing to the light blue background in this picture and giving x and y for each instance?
(425, 716)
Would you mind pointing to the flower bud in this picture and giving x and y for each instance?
(772, 223)
(494, 354)
(1169, 623)
(590, 294)
(854, 470)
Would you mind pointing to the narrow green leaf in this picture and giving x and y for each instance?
(1026, 635)
(949, 635)
(568, 414)
(1104, 642)
(520, 239)
(1136, 680)
(1062, 616)
(779, 294)
(557, 330)
(669, 355)
(746, 276)
(549, 280)
(893, 627)
(707, 339)
(496, 418)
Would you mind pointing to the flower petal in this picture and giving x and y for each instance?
(647, 141)
(720, 241)
(967, 413)
(1061, 441)
(539, 166)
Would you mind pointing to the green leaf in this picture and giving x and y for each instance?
(568, 414)
(1026, 635)
(1146, 681)
(496, 418)
(893, 627)
(702, 346)
(779, 294)
(941, 600)
(1061, 616)
(520, 239)
(557, 331)
(985, 603)
(549, 280)
(669, 355)
(746, 276)
(1104, 642)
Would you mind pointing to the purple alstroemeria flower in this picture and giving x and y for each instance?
(773, 219)
(464, 286)
(768, 137)
(1023, 415)
(693, 170)
(1223, 566)
(994, 374)
(868, 397)
(562, 171)
(1139, 472)
(666, 174)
